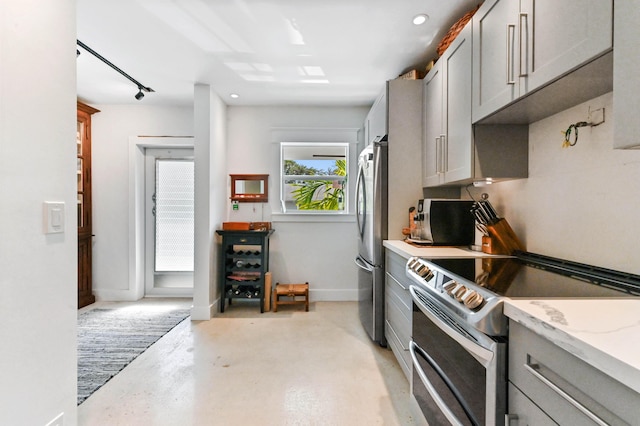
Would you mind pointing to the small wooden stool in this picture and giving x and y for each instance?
(291, 290)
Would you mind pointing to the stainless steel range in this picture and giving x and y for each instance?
(459, 336)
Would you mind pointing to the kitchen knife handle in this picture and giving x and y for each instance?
(491, 211)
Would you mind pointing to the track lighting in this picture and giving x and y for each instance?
(141, 88)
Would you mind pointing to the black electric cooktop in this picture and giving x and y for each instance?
(532, 275)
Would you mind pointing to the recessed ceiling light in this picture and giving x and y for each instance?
(234, 95)
(420, 19)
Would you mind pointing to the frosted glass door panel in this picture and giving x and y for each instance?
(174, 216)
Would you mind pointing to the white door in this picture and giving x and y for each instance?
(169, 222)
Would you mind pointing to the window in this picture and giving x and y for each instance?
(314, 177)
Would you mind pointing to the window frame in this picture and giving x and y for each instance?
(346, 211)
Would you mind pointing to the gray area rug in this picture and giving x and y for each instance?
(109, 339)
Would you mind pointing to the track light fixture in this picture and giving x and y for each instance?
(141, 88)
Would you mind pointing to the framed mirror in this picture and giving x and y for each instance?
(250, 188)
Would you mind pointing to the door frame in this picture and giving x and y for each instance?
(137, 147)
(151, 290)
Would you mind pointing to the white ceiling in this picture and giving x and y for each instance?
(270, 52)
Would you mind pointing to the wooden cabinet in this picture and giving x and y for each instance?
(83, 144)
(447, 152)
(243, 263)
(547, 382)
(522, 46)
(398, 310)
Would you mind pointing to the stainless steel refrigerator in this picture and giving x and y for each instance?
(371, 212)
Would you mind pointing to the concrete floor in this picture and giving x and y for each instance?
(245, 368)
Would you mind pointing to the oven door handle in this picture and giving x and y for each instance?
(482, 354)
(415, 350)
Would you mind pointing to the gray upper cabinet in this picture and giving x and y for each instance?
(454, 151)
(520, 47)
(495, 83)
(376, 122)
(626, 91)
(433, 131)
(448, 142)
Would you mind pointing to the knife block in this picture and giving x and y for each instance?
(501, 239)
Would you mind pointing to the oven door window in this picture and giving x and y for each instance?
(453, 373)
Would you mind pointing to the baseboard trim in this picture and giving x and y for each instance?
(115, 295)
(203, 313)
(333, 295)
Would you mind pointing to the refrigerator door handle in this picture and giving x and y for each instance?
(362, 264)
(359, 206)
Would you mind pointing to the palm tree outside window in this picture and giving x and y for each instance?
(314, 177)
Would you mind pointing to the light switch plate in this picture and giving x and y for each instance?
(53, 217)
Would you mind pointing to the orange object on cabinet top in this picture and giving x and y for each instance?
(246, 226)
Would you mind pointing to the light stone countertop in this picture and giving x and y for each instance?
(407, 250)
(604, 333)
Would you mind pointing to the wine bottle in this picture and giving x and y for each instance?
(248, 293)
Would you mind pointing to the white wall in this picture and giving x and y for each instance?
(111, 128)
(240, 139)
(210, 195)
(320, 253)
(580, 203)
(38, 281)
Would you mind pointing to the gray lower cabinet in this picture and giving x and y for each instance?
(398, 310)
(548, 385)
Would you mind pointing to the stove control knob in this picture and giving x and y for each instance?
(449, 286)
(472, 299)
(424, 272)
(427, 274)
(459, 292)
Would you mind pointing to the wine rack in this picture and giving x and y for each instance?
(244, 260)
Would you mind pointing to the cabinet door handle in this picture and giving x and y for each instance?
(534, 369)
(398, 283)
(524, 47)
(438, 155)
(445, 153)
(511, 33)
